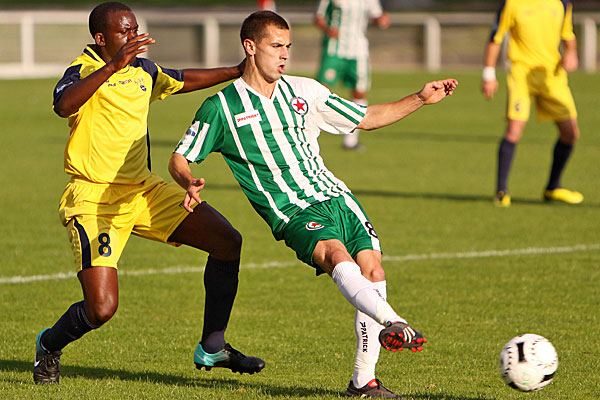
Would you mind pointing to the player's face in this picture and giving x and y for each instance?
(272, 53)
(121, 27)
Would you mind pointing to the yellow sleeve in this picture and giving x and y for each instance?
(567, 30)
(503, 23)
(168, 81)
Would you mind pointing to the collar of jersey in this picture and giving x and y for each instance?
(97, 61)
(250, 88)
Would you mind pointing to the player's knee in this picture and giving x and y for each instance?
(101, 311)
(374, 274)
(228, 245)
(513, 136)
(234, 239)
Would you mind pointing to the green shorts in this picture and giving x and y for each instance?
(341, 218)
(353, 73)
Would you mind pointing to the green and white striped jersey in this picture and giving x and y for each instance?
(271, 144)
(350, 18)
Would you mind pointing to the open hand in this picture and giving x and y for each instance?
(191, 195)
(489, 88)
(130, 50)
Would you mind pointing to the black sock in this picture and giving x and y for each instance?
(71, 326)
(562, 152)
(506, 152)
(220, 284)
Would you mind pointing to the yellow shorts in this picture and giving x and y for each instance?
(549, 88)
(101, 217)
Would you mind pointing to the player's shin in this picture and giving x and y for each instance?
(361, 293)
(71, 326)
(220, 284)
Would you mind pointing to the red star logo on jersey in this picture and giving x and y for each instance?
(299, 105)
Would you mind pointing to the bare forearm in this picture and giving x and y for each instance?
(78, 93)
(571, 46)
(491, 54)
(195, 79)
(179, 168)
(380, 115)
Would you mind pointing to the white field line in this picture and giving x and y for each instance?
(274, 264)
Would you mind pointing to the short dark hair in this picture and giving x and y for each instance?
(99, 16)
(254, 25)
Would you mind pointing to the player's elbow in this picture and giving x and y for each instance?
(172, 165)
(62, 111)
(176, 164)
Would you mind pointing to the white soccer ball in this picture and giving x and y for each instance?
(528, 362)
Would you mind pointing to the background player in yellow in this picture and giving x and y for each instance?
(538, 72)
(106, 93)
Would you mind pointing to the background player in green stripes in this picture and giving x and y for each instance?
(345, 48)
(106, 94)
(266, 126)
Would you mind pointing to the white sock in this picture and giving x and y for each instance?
(361, 293)
(367, 343)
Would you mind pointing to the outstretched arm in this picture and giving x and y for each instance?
(179, 168)
(194, 79)
(78, 93)
(380, 115)
(489, 84)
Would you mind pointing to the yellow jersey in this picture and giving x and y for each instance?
(109, 140)
(536, 29)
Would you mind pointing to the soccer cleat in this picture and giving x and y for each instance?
(564, 195)
(228, 357)
(46, 365)
(502, 199)
(399, 336)
(373, 389)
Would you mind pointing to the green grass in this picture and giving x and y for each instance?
(426, 183)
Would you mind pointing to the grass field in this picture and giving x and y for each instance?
(469, 275)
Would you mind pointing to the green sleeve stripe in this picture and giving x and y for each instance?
(343, 113)
(360, 111)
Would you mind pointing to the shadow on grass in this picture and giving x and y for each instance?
(428, 196)
(443, 397)
(73, 371)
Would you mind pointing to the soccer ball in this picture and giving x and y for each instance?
(528, 362)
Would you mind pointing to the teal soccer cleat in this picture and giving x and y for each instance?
(46, 365)
(228, 357)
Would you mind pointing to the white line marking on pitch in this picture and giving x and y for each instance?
(274, 264)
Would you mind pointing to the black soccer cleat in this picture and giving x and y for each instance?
(228, 357)
(373, 389)
(399, 336)
(46, 366)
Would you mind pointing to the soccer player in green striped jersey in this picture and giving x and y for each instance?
(266, 126)
(345, 48)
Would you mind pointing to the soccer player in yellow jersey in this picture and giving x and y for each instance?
(105, 94)
(538, 72)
